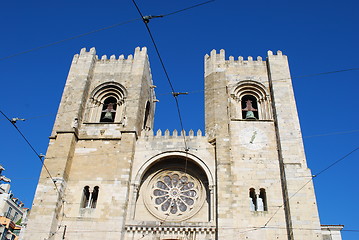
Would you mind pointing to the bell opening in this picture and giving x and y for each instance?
(109, 110)
(249, 107)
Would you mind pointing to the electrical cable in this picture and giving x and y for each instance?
(336, 162)
(33, 149)
(324, 73)
(315, 175)
(67, 39)
(199, 91)
(97, 30)
(187, 8)
(325, 169)
(60, 225)
(174, 93)
(233, 145)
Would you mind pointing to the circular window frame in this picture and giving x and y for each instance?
(169, 214)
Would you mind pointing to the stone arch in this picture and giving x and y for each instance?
(107, 94)
(175, 186)
(159, 157)
(257, 93)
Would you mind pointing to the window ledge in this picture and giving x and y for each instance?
(251, 120)
(100, 123)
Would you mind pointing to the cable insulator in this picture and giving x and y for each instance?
(175, 94)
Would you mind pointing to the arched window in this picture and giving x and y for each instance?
(109, 110)
(249, 107)
(174, 189)
(94, 197)
(263, 197)
(252, 200)
(147, 113)
(85, 197)
(250, 101)
(107, 104)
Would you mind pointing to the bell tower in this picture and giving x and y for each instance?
(252, 120)
(112, 177)
(105, 106)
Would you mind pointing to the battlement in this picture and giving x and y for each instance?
(218, 62)
(220, 57)
(140, 53)
(175, 134)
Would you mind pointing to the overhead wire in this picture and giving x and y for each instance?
(40, 156)
(279, 207)
(198, 148)
(162, 61)
(187, 8)
(174, 93)
(325, 169)
(266, 225)
(315, 175)
(295, 193)
(329, 72)
(67, 39)
(95, 31)
(199, 91)
(336, 162)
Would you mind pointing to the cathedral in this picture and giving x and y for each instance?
(113, 177)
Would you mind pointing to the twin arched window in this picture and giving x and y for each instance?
(89, 198)
(258, 200)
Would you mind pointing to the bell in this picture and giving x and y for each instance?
(108, 117)
(250, 115)
(249, 108)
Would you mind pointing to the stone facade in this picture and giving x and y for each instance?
(116, 179)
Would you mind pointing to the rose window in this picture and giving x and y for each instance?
(175, 194)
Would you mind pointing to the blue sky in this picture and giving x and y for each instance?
(317, 36)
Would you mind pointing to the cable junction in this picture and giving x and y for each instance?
(146, 19)
(40, 156)
(14, 120)
(175, 94)
(311, 179)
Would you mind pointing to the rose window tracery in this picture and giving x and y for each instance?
(174, 194)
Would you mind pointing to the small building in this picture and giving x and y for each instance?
(11, 211)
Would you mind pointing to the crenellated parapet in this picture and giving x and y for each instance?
(175, 134)
(139, 54)
(217, 62)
